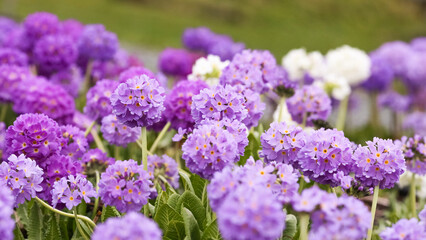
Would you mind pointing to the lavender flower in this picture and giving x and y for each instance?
(75, 144)
(96, 43)
(111, 69)
(72, 190)
(38, 25)
(11, 77)
(395, 101)
(178, 103)
(134, 72)
(163, 166)
(138, 101)
(379, 163)
(415, 72)
(117, 133)
(11, 56)
(72, 28)
(409, 229)
(254, 105)
(381, 74)
(95, 160)
(125, 185)
(176, 62)
(414, 150)
(310, 103)
(132, 225)
(22, 176)
(246, 75)
(397, 54)
(70, 79)
(98, 103)
(197, 38)
(309, 199)
(222, 183)
(6, 211)
(288, 183)
(7, 26)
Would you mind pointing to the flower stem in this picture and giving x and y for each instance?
(373, 212)
(3, 112)
(95, 208)
(280, 109)
(98, 140)
(159, 137)
(305, 117)
(89, 128)
(341, 118)
(413, 196)
(82, 233)
(303, 226)
(84, 218)
(144, 149)
(117, 153)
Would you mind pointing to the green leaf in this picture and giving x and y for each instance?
(252, 149)
(290, 227)
(35, 224)
(165, 215)
(53, 232)
(175, 231)
(212, 232)
(22, 212)
(185, 179)
(17, 233)
(192, 229)
(198, 183)
(193, 204)
(109, 211)
(173, 200)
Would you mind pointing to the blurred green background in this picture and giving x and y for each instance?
(277, 25)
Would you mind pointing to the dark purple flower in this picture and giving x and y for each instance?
(117, 133)
(71, 27)
(138, 101)
(395, 101)
(163, 166)
(6, 211)
(18, 40)
(7, 26)
(381, 74)
(11, 77)
(75, 144)
(176, 62)
(407, 229)
(40, 24)
(197, 38)
(70, 79)
(11, 56)
(95, 160)
(414, 150)
(98, 104)
(96, 43)
(72, 190)
(224, 47)
(132, 225)
(134, 72)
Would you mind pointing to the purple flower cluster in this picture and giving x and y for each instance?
(125, 185)
(6, 210)
(381, 75)
(74, 144)
(7, 26)
(117, 133)
(70, 79)
(254, 105)
(95, 160)
(416, 121)
(242, 74)
(395, 101)
(163, 166)
(138, 101)
(38, 25)
(72, 190)
(11, 56)
(72, 28)
(132, 225)
(22, 176)
(96, 43)
(134, 72)
(113, 68)
(11, 77)
(309, 103)
(380, 163)
(409, 229)
(178, 103)
(176, 62)
(98, 104)
(396, 54)
(414, 150)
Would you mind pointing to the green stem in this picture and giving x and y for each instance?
(305, 117)
(304, 223)
(82, 233)
(166, 182)
(373, 212)
(413, 196)
(84, 218)
(159, 137)
(87, 76)
(341, 118)
(117, 153)
(3, 112)
(98, 140)
(95, 208)
(144, 149)
(374, 111)
(89, 128)
(146, 210)
(280, 109)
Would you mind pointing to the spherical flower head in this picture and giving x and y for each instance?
(135, 72)
(209, 149)
(11, 78)
(380, 163)
(71, 27)
(138, 101)
(309, 102)
(222, 183)
(166, 167)
(254, 105)
(395, 101)
(381, 76)
(117, 133)
(98, 104)
(132, 225)
(2, 140)
(299, 64)
(224, 47)
(95, 160)
(208, 69)
(96, 43)
(197, 38)
(75, 143)
(54, 53)
(251, 213)
(242, 74)
(351, 63)
(415, 72)
(22, 176)
(35, 135)
(125, 185)
(217, 103)
(308, 200)
(335, 86)
(416, 121)
(325, 153)
(70, 79)
(40, 24)
(409, 229)
(11, 56)
(37, 95)
(414, 150)
(178, 103)
(7, 26)
(6, 211)
(176, 62)
(397, 53)
(72, 190)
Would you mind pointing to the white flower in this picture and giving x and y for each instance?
(317, 67)
(335, 86)
(350, 63)
(208, 69)
(296, 62)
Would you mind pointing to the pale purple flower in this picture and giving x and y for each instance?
(6, 210)
(117, 133)
(98, 104)
(11, 56)
(96, 43)
(75, 143)
(72, 190)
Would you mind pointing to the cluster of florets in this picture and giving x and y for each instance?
(11, 77)
(134, 72)
(72, 190)
(96, 43)
(98, 103)
(117, 133)
(163, 168)
(138, 102)
(22, 176)
(11, 56)
(380, 163)
(176, 62)
(125, 185)
(407, 229)
(132, 225)
(394, 101)
(94, 161)
(381, 76)
(309, 103)
(70, 79)
(179, 101)
(38, 25)
(6, 211)
(112, 68)
(254, 105)
(208, 69)
(75, 143)
(414, 150)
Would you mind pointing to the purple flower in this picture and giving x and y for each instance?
(397, 54)
(138, 101)
(2, 140)
(134, 72)
(98, 104)
(416, 121)
(7, 26)
(415, 74)
(22, 176)
(111, 69)
(6, 211)
(381, 75)
(95, 160)
(414, 150)
(395, 101)
(70, 79)
(251, 213)
(11, 56)
(37, 95)
(72, 190)
(242, 74)
(166, 167)
(222, 183)
(132, 225)
(224, 47)
(35, 135)
(54, 53)
(178, 103)
(117, 133)
(75, 144)
(407, 229)
(308, 200)
(379, 163)
(197, 38)
(11, 77)
(209, 149)
(38, 25)
(176, 62)
(72, 28)
(288, 183)
(309, 102)
(96, 43)
(254, 105)
(125, 185)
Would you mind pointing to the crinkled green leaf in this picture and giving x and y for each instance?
(35, 225)
(173, 200)
(109, 211)
(165, 215)
(53, 232)
(211, 232)
(198, 184)
(290, 227)
(17, 233)
(193, 204)
(192, 230)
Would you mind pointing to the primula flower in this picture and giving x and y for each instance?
(72, 190)
(96, 43)
(70, 79)
(95, 160)
(11, 56)
(407, 229)
(208, 69)
(397, 54)
(134, 72)
(165, 167)
(38, 25)
(6, 210)
(176, 62)
(394, 101)
(117, 133)
(2, 140)
(381, 76)
(75, 143)
(254, 105)
(72, 28)
(98, 104)
(11, 77)
(414, 150)
(298, 64)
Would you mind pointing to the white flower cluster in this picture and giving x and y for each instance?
(208, 69)
(405, 181)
